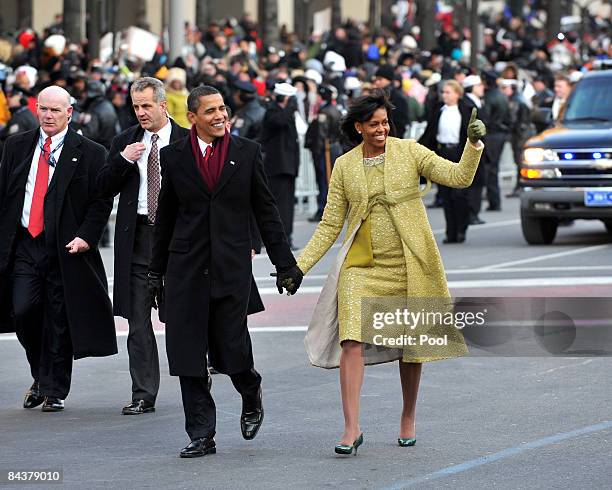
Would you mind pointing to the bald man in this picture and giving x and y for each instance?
(53, 288)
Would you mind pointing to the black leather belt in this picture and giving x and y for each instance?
(143, 219)
(448, 145)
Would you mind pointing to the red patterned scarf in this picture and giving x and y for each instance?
(211, 168)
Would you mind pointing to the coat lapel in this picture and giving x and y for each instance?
(188, 163)
(67, 163)
(357, 178)
(231, 164)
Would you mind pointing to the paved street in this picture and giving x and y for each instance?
(482, 422)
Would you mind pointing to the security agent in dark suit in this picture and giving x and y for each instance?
(496, 114)
(213, 184)
(473, 98)
(53, 289)
(132, 171)
(280, 144)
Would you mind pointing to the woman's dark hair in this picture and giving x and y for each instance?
(361, 110)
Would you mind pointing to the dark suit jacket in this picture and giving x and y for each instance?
(72, 208)
(119, 176)
(279, 139)
(202, 244)
(429, 137)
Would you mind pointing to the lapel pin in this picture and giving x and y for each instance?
(74, 159)
(232, 162)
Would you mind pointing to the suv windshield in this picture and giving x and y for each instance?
(591, 101)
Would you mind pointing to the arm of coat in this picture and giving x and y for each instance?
(278, 118)
(4, 171)
(116, 170)
(98, 208)
(92, 128)
(268, 218)
(442, 171)
(330, 226)
(167, 210)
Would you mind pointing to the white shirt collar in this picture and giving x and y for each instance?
(163, 133)
(203, 145)
(54, 139)
(450, 107)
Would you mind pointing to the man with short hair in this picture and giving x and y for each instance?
(563, 87)
(201, 273)
(53, 289)
(132, 170)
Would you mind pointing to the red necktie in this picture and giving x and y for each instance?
(207, 153)
(37, 217)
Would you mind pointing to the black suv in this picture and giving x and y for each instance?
(567, 170)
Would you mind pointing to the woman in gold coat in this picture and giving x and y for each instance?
(389, 252)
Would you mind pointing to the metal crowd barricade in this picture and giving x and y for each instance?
(306, 182)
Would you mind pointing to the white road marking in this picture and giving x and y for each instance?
(491, 283)
(159, 333)
(539, 258)
(565, 366)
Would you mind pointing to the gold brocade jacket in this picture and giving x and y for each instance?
(405, 162)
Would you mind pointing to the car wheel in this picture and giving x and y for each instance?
(539, 231)
(608, 226)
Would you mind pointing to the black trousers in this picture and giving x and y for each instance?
(230, 354)
(494, 145)
(40, 315)
(141, 344)
(454, 201)
(283, 189)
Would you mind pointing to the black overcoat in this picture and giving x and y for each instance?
(118, 176)
(202, 245)
(72, 208)
(280, 142)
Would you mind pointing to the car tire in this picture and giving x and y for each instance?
(539, 231)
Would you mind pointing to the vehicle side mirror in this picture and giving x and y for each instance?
(542, 116)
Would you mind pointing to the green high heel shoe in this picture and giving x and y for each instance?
(344, 449)
(406, 441)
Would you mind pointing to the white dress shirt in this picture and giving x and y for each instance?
(203, 145)
(449, 125)
(29, 190)
(163, 140)
(556, 107)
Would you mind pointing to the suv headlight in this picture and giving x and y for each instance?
(538, 155)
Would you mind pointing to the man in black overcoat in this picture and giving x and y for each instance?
(279, 139)
(132, 170)
(213, 185)
(53, 288)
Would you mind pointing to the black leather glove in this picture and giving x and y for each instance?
(155, 284)
(290, 279)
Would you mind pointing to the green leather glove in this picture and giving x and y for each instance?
(476, 129)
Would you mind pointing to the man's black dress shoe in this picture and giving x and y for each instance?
(494, 208)
(251, 417)
(475, 220)
(137, 407)
(199, 447)
(459, 239)
(52, 404)
(33, 398)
